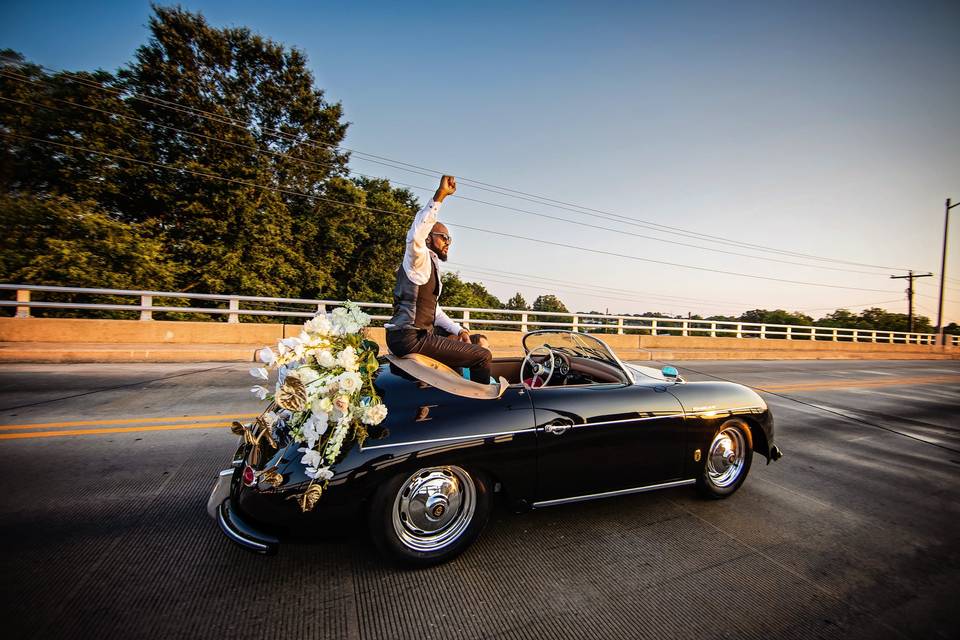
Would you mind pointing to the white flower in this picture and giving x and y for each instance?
(319, 325)
(260, 372)
(261, 392)
(342, 404)
(317, 407)
(323, 473)
(332, 450)
(344, 322)
(325, 359)
(325, 405)
(267, 356)
(374, 414)
(348, 359)
(311, 458)
(290, 343)
(307, 375)
(349, 382)
(313, 428)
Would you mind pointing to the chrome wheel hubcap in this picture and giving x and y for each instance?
(725, 460)
(434, 507)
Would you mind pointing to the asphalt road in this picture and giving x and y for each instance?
(854, 534)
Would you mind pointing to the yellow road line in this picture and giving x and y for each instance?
(85, 423)
(844, 384)
(87, 432)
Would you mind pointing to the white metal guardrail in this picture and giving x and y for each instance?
(505, 318)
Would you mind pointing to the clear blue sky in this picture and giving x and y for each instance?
(809, 127)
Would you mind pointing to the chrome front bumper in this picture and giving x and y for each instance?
(221, 491)
(232, 525)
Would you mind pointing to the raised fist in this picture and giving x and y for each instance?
(448, 186)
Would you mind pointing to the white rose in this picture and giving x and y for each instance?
(325, 359)
(374, 414)
(348, 359)
(319, 325)
(325, 405)
(307, 375)
(342, 404)
(349, 382)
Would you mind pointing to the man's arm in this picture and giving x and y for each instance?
(416, 260)
(443, 321)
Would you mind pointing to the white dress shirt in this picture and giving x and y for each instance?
(417, 259)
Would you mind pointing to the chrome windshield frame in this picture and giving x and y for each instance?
(631, 379)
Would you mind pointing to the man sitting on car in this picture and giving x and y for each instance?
(416, 310)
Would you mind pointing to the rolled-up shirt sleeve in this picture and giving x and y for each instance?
(443, 321)
(416, 256)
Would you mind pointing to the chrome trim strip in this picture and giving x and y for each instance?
(449, 439)
(599, 424)
(712, 413)
(619, 492)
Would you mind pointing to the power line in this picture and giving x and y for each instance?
(427, 189)
(590, 286)
(474, 183)
(457, 225)
(550, 287)
(851, 306)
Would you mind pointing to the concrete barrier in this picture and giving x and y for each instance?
(81, 340)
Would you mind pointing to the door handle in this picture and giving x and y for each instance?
(558, 426)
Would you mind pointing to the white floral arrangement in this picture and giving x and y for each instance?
(324, 391)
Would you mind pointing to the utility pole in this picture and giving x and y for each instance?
(943, 270)
(910, 295)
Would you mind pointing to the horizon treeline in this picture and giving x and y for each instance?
(210, 163)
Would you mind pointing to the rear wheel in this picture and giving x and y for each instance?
(727, 462)
(429, 516)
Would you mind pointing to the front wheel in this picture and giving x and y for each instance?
(429, 516)
(727, 461)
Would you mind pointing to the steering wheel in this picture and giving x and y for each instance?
(540, 371)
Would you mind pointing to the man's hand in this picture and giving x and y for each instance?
(448, 186)
(464, 335)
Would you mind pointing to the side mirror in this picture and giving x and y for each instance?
(670, 372)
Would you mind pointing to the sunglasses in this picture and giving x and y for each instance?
(446, 237)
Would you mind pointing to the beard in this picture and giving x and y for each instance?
(440, 254)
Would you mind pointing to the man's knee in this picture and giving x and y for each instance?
(485, 357)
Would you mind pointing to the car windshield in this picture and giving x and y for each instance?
(571, 343)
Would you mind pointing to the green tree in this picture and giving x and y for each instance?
(777, 316)
(269, 126)
(56, 241)
(68, 111)
(549, 302)
(517, 303)
(875, 318)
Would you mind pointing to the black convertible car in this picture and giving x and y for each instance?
(567, 422)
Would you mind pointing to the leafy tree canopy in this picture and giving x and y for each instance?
(517, 303)
(549, 302)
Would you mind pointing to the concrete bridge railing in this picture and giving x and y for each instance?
(232, 307)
